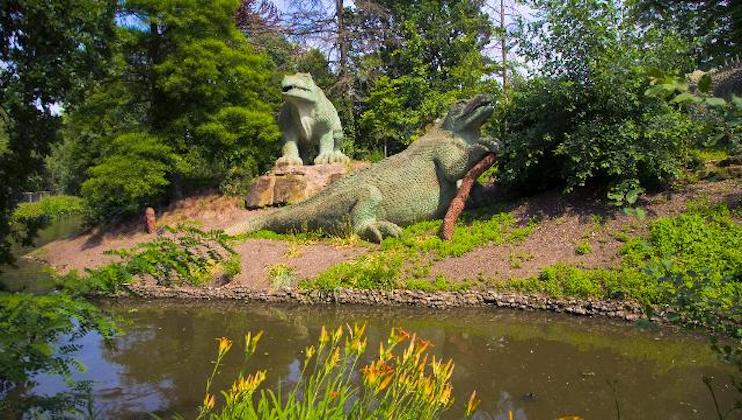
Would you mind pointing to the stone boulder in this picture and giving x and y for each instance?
(289, 184)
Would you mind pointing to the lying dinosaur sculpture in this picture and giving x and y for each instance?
(308, 119)
(725, 81)
(416, 184)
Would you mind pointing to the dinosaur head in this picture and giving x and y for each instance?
(299, 87)
(468, 115)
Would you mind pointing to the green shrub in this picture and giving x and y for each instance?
(182, 255)
(584, 118)
(470, 233)
(132, 175)
(281, 275)
(583, 247)
(28, 218)
(373, 271)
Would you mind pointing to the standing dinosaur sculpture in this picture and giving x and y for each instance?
(308, 119)
(416, 184)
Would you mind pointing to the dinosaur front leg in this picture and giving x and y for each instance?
(328, 152)
(290, 151)
(364, 216)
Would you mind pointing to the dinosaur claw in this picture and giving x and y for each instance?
(377, 231)
(331, 157)
(289, 161)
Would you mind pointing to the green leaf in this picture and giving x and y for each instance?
(632, 196)
(684, 98)
(715, 102)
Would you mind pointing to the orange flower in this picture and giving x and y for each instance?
(209, 401)
(334, 395)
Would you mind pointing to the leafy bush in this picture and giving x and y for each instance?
(130, 177)
(584, 118)
(39, 337)
(28, 218)
(182, 255)
(401, 382)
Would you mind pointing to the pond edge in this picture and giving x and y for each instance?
(628, 311)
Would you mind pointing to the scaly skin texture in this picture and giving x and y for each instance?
(308, 119)
(725, 81)
(416, 184)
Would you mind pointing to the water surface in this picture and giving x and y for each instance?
(536, 364)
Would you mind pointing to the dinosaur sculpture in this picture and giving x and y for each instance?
(416, 184)
(308, 119)
(725, 81)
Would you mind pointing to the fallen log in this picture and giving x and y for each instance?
(458, 202)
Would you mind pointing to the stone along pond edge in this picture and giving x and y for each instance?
(629, 311)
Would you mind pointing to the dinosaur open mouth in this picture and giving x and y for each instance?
(289, 88)
(476, 104)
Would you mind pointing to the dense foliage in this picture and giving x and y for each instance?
(49, 53)
(712, 27)
(188, 104)
(416, 58)
(584, 118)
(28, 218)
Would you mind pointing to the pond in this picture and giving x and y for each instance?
(30, 275)
(536, 364)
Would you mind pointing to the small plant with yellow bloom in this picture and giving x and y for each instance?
(402, 382)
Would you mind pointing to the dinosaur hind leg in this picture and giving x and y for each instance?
(364, 216)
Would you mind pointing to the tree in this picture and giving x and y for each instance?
(49, 52)
(418, 58)
(186, 79)
(712, 27)
(584, 118)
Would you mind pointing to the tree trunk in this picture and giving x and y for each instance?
(458, 202)
(503, 48)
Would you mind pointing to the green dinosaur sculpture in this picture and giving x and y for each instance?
(308, 119)
(416, 184)
(725, 81)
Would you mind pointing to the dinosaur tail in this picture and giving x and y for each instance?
(279, 221)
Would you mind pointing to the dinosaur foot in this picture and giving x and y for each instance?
(331, 157)
(377, 231)
(289, 161)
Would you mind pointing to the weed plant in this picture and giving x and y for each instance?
(181, 255)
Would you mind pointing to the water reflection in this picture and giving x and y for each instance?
(536, 365)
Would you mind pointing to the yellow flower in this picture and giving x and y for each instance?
(472, 404)
(224, 345)
(445, 396)
(251, 343)
(309, 351)
(323, 336)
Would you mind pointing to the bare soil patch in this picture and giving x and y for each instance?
(563, 224)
